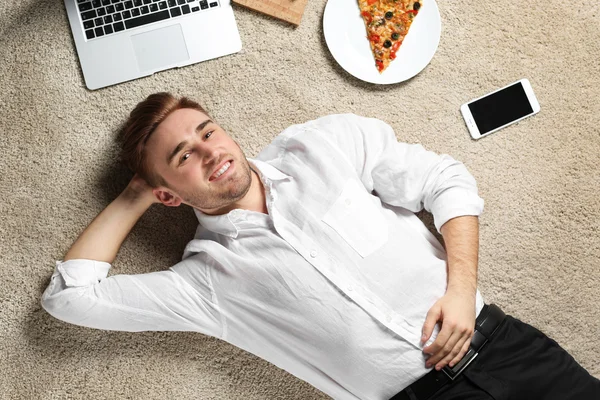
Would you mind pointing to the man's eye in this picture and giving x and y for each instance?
(185, 157)
(208, 134)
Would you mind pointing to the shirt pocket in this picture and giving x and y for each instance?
(356, 216)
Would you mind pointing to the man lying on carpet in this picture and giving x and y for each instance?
(311, 257)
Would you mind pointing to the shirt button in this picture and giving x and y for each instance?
(388, 318)
(350, 288)
(313, 253)
(348, 202)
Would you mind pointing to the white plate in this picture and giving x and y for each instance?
(346, 37)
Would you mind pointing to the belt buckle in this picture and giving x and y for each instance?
(455, 371)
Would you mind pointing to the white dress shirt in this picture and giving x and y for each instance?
(333, 285)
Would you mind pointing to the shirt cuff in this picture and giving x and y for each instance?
(82, 272)
(455, 203)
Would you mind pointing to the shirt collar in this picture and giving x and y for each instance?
(225, 224)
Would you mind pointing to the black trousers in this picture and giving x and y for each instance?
(522, 363)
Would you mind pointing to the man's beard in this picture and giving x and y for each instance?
(217, 198)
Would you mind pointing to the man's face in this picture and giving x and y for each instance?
(201, 165)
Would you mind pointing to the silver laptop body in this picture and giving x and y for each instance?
(121, 40)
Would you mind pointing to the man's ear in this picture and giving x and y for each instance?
(166, 197)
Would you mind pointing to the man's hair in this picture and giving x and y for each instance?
(140, 125)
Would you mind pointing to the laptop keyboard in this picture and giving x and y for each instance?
(106, 17)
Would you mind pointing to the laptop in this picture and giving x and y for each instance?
(121, 40)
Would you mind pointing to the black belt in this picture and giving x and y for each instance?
(486, 325)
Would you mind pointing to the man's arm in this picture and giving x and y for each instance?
(103, 238)
(456, 309)
(80, 292)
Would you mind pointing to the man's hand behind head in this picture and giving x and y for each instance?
(138, 190)
(103, 238)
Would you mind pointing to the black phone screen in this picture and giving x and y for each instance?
(500, 108)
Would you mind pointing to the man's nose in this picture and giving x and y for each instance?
(209, 153)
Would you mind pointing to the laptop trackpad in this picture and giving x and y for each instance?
(160, 48)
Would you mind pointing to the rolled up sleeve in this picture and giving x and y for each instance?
(80, 293)
(401, 174)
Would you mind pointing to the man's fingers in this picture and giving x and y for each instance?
(441, 339)
(453, 340)
(462, 353)
(433, 316)
(461, 346)
(444, 350)
(455, 353)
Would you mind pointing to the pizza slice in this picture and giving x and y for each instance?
(387, 23)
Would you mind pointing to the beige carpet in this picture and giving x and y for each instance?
(540, 246)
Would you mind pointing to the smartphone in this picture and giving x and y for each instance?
(503, 107)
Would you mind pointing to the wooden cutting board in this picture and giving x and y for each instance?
(286, 10)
